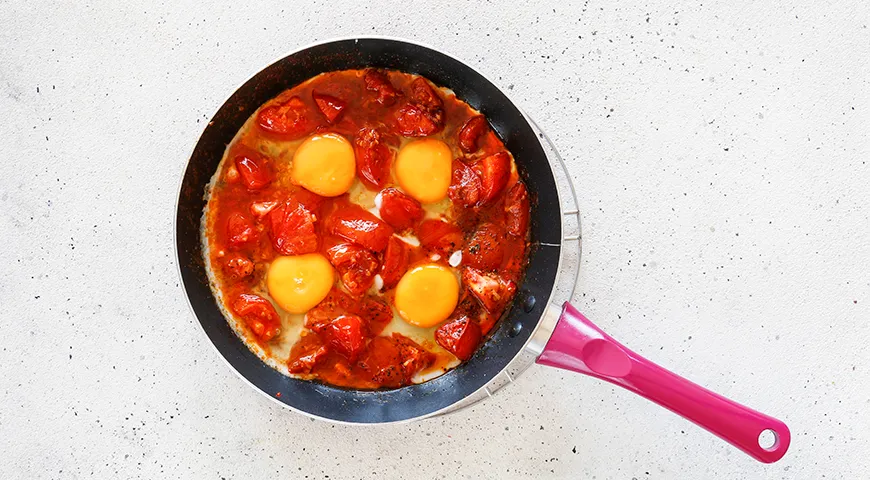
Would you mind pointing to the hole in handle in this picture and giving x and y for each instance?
(768, 440)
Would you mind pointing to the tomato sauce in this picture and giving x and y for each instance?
(371, 235)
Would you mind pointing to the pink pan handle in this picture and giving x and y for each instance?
(578, 345)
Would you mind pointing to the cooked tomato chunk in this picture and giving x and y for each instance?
(395, 262)
(459, 337)
(293, 229)
(290, 118)
(306, 353)
(399, 210)
(240, 230)
(393, 361)
(254, 171)
(373, 158)
(465, 186)
(356, 266)
(259, 315)
(377, 81)
(423, 115)
(516, 210)
(347, 334)
(492, 291)
(414, 357)
(329, 106)
(239, 267)
(376, 312)
(440, 237)
(494, 172)
(484, 248)
(471, 132)
(360, 227)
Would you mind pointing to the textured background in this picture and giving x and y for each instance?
(721, 157)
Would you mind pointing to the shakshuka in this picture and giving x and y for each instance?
(366, 229)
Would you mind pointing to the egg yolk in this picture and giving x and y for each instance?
(300, 282)
(426, 295)
(324, 164)
(424, 169)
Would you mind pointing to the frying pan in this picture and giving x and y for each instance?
(537, 326)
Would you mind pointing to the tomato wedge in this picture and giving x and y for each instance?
(259, 315)
(494, 172)
(329, 106)
(361, 227)
(290, 118)
(254, 171)
(459, 337)
(395, 262)
(414, 357)
(492, 291)
(373, 158)
(441, 237)
(293, 229)
(347, 334)
(240, 230)
(377, 81)
(484, 249)
(356, 266)
(465, 185)
(399, 210)
(306, 353)
(376, 312)
(423, 114)
(471, 132)
(516, 210)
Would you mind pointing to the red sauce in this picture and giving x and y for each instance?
(256, 214)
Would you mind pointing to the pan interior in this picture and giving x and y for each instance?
(512, 332)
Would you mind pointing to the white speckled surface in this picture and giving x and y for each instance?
(722, 160)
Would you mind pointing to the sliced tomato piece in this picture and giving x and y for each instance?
(329, 106)
(399, 210)
(484, 249)
(494, 172)
(373, 158)
(361, 227)
(383, 361)
(441, 237)
(356, 266)
(414, 357)
(459, 337)
(240, 230)
(259, 315)
(347, 334)
(306, 353)
(517, 210)
(377, 81)
(290, 118)
(492, 291)
(254, 171)
(412, 121)
(465, 186)
(239, 267)
(424, 97)
(471, 133)
(376, 312)
(395, 262)
(293, 228)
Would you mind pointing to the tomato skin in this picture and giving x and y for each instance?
(517, 210)
(373, 158)
(356, 266)
(395, 262)
(290, 118)
(441, 237)
(465, 186)
(426, 99)
(400, 210)
(259, 315)
(254, 171)
(306, 353)
(423, 114)
(239, 267)
(393, 361)
(361, 227)
(377, 81)
(240, 230)
(484, 249)
(459, 337)
(329, 106)
(471, 133)
(494, 172)
(293, 229)
(376, 312)
(347, 334)
(414, 357)
(492, 291)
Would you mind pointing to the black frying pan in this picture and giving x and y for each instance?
(572, 342)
